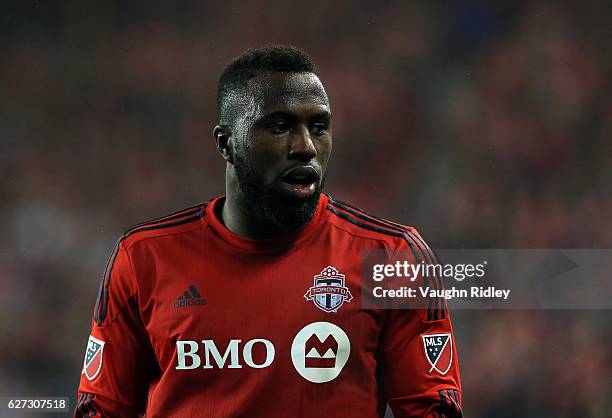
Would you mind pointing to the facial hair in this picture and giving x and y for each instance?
(268, 207)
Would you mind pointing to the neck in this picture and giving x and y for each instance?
(237, 217)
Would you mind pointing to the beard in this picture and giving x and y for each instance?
(269, 207)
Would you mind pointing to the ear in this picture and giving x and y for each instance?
(224, 143)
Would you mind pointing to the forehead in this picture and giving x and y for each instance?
(287, 91)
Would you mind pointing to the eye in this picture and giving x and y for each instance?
(277, 128)
(319, 128)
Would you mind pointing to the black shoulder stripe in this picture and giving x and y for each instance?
(166, 218)
(438, 311)
(101, 296)
(440, 303)
(366, 215)
(196, 214)
(175, 215)
(85, 407)
(101, 307)
(385, 230)
(342, 204)
(387, 224)
(133, 230)
(348, 205)
(102, 302)
(432, 313)
(427, 252)
(455, 398)
(364, 225)
(89, 407)
(449, 403)
(443, 402)
(78, 405)
(454, 395)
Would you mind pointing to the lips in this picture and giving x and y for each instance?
(301, 175)
(300, 182)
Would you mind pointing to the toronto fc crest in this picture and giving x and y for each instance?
(329, 291)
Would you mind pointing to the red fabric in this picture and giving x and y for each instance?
(254, 292)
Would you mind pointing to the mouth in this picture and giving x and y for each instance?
(300, 181)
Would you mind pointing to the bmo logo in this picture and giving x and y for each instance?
(320, 351)
(188, 357)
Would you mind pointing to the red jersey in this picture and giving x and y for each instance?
(192, 320)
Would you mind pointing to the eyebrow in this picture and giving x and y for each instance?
(324, 114)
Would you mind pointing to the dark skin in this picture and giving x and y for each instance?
(284, 124)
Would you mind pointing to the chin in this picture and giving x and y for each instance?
(275, 207)
(296, 202)
(290, 212)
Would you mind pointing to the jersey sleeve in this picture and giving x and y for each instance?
(419, 365)
(119, 362)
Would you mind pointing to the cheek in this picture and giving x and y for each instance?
(265, 156)
(324, 150)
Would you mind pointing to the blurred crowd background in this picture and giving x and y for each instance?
(483, 124)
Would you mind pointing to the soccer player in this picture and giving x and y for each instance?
(249, 305)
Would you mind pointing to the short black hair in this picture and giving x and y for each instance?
(252, 63)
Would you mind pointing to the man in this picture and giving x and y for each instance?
(250, 304)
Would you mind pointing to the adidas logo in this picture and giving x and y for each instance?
(190, 297)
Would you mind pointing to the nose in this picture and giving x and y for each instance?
(302, 148)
